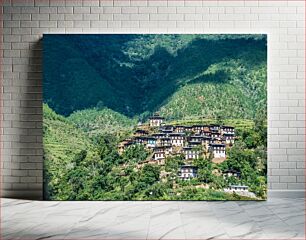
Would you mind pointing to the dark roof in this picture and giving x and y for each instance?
(194, 142)
(141, 130)
(188, 166)
(156, 117)
(165, 138)
(166, 130)
(196, 136)
(141, 137)
(161, 148)
(227, 127)
(167, 126)
(229, 134)
(217, 145)
(151, 138)
(206, 137)
(158, 134)
(177, 134)
(128, 143)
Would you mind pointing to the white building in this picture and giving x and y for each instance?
(159, 153)
(229, 138)
(218, 150)
(187, 172)
(177, 139)
(191, 153)
(156, 120)
(227, 130)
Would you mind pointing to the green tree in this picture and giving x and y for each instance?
(204, 170)
(135, 154)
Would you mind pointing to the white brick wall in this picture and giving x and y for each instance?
(24, 22)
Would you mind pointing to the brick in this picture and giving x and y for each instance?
(166, 10)
(96, 10)
(295, 172)
(140, 17)
(57, 17)
(158, 17)
(29, 24)
(296, 186)
(23, 3)
(40, 3)
(48, 24)
(91, 16)
(81, 24)
(287, 179)
(29, 10)
(81, 9)
(74, 3)
(287, 165)
(121, 17)
(21, 31)
(300, 179)
(28, 179)
(176, 17)
(148, 24)
(185, 10)
(64, 10)
(125, 10)
(40, 17)
(65, 24)
(157, 3)
(280, 172)
(122, 3)
(21, 16)
(48, 10)
(112, 10)
(278, 186)
(104, 17)
(59, 3)
(147, 9)
(98, 24)
(73, 16)
(192, 17)
(130, 24)
(91, 3)
(138, 3)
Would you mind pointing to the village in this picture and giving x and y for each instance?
(193, 142)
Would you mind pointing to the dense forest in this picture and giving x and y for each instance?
(97, 88)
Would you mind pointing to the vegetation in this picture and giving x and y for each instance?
(138, 74)
(189, 79)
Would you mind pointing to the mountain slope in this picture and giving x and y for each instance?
(62, 143)
(139, 74)
(101, 121)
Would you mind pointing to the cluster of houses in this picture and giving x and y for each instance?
(192, 141)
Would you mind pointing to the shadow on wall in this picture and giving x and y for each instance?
(30, 154)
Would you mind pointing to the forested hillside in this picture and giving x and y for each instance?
(99, 90)
(136, 75)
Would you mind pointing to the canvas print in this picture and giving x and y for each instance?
(155, 116)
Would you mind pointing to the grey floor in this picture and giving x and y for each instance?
(273, 219)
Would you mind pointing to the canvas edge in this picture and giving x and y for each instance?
(38, 194)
